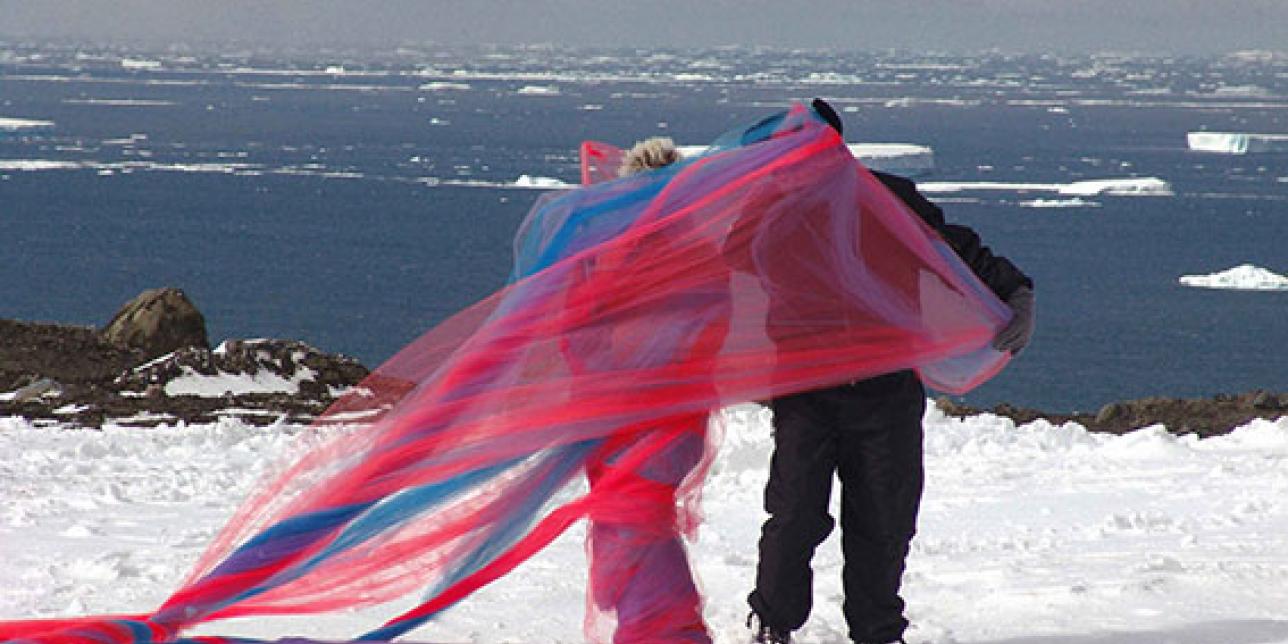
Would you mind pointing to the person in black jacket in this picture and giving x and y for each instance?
(867, 433)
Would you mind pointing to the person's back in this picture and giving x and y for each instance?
(867, 433)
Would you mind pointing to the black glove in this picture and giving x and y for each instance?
(1019, 331)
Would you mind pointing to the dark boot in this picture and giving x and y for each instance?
(762, 633)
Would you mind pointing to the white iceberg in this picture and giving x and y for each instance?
(140, 63)
(1075, 202)
(1236, 142)
(538, 90)
(544, 183)
(444, 86)
(1244, 277)
(119, 102)
(37, 165)
(1123, 187)
(900, 158)
(13, 126)
(1135, 186)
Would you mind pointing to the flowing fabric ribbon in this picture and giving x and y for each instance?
(774, 263)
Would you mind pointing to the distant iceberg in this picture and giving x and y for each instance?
(538, 90)
(1245, 277)
(900, 158)
(442, 86)
(1125, 187)
(1075, 202)
(37, 165)
(15, 127)
(1236, 142)
(139, 63)
(1135, 186)
(543, 183)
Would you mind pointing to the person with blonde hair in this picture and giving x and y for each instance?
(639, 569)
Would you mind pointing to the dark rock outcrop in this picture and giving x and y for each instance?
(157, 322)
(77, 375)
(1203, 416)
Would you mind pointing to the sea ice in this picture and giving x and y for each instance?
(1128, 186)
(1236, 142)
(1076, 202)
(538, 90)
(139, 63)
(1244, 277)
(15, 127)
(900, 158)
(528, 181)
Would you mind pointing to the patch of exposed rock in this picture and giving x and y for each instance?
(78, 375)
(156, 322)
(1202, 416)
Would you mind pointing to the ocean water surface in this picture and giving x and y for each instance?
(355, 199)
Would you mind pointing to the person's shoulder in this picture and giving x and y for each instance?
(906, 190)
(900, 185)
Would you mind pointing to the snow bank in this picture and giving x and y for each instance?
(1030, 533)
(1244, 277)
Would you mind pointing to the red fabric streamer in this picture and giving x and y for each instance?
(773, 264)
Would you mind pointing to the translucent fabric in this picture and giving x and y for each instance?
(774, 263)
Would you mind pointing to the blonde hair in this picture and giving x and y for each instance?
(649, 154)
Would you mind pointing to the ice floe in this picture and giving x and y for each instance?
(538, 90)
(1131, 186)
(1236, 142)
(23, 126)
(903, 158)
(1076, 202)
(1244, 277)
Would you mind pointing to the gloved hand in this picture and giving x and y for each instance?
(1019, 331)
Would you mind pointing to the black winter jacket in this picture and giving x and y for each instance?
(997, 272)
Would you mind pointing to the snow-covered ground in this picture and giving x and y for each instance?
(1035, 534)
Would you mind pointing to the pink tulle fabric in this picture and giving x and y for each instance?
(774, 263)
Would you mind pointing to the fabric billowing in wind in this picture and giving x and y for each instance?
(773, 263)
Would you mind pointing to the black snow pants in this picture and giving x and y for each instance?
(869, 435)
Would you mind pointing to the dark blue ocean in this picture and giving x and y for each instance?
(354, 199)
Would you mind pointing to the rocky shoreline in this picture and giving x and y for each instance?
(152, 365)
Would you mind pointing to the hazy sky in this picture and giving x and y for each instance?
(1162, 26)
